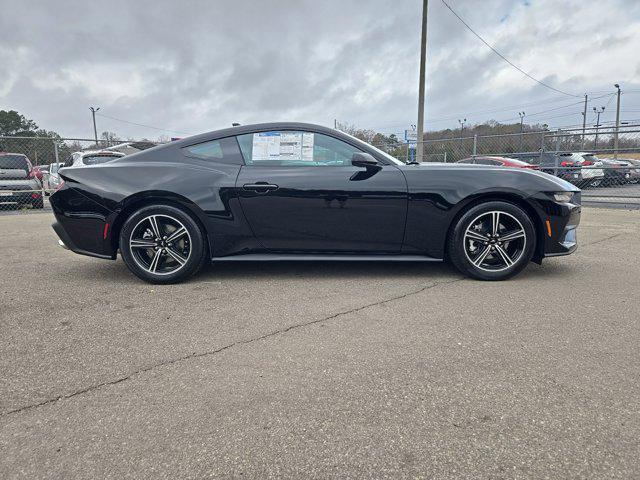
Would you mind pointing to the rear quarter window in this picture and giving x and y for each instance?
(223, 150)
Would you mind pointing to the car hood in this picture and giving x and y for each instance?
(536, 175)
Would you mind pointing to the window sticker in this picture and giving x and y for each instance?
(296, 146)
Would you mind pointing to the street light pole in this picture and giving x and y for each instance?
(423, 62)
(95, 130)
(462, 122)
(615, 138)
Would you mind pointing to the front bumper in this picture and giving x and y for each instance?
(561, 220)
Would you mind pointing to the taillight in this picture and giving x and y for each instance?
(566, 164)
(587, 162)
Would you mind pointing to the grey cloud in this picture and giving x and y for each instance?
(199, 65)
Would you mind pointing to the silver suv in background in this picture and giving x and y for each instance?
(19, 185)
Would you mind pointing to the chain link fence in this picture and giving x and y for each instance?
(603, 161)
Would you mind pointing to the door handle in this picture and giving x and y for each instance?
(260, 187)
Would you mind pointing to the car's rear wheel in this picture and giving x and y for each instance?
(162, 244)
(494, 240)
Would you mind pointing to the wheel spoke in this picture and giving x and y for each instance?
(155, 226)
(495, 222)
(475, 236)
(142, 244)
(513, 235)
(176, 256)
(155, 261)
(505, 256)
(177, 234)
(481, 256)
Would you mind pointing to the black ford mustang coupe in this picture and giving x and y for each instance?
(293, 191)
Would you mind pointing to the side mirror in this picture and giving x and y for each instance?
(365, 160)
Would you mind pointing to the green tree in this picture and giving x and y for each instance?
(40, 147)
(14, 124)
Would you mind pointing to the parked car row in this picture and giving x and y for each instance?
(23, 184)
(579, 168)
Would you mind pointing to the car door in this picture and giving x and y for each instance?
(300, 192)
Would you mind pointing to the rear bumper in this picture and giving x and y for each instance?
(82, 224)
(67, 243)
(21, 197)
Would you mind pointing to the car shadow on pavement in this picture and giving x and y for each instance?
(118, 272)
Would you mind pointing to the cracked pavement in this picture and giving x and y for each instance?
(320, 370)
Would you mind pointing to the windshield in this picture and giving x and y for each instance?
(14, 162)
(98, 159)
(393, 160)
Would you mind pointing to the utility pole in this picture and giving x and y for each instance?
(597, 111)
(615, 138)
(93, 114)
(584, 119)
(423, 62)
(521, 115)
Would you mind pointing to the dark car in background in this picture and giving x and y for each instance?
(572, 167)
(19, 184)
(498, 162)
(617, 171)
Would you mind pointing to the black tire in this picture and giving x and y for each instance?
(471, 238)
(39, 204)
(190, 247)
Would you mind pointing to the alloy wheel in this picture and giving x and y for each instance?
(160, 244)
(494, 241)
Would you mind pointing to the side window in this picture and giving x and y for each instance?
(223, 150)
(289, 148)
(207, 150)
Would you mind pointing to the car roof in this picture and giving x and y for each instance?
(256, 127)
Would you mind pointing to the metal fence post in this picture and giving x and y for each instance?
(557, 156)
(475, 144)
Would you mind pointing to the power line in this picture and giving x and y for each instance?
(141, 124)
(505, 58)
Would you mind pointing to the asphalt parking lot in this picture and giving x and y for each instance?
(321, 370)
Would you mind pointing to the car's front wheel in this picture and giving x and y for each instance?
(162, 244)
(494, 240)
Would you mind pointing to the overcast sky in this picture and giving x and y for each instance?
(193, 66)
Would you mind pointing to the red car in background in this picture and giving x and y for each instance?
(499, 162)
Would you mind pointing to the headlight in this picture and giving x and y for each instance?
(563, 197)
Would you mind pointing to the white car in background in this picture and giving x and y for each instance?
(51, 178)
(591, 167)
(92, 157)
